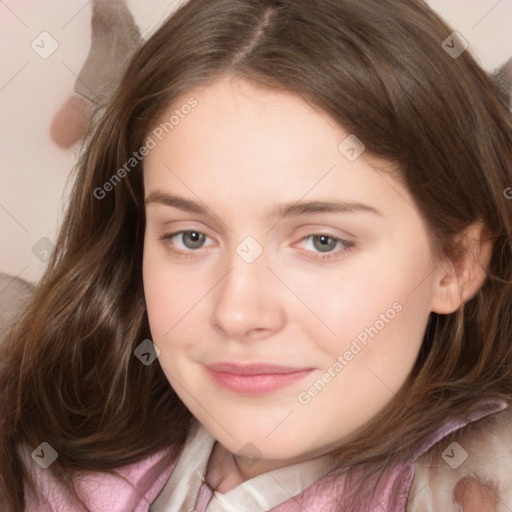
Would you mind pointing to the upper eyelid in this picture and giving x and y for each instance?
(310, 231)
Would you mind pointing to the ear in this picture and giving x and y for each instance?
(458, 281)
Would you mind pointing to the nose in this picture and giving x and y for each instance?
(248, 304)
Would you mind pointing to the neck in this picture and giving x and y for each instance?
(226, 470)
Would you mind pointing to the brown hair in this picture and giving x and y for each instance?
(68, 374)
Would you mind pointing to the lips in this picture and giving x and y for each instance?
(253, 369)
(256, 378)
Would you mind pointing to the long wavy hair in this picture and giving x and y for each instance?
(68, 374)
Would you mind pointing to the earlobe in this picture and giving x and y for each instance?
(459, 281)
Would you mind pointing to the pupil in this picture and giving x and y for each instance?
(324, 245)
(195, 239)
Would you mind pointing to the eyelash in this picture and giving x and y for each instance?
(347, 245)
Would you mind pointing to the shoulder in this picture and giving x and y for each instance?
(470, 468)
(133, 487)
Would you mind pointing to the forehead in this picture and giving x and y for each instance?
(267, 146)
(232, 111)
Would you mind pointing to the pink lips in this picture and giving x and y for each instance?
(255, 379)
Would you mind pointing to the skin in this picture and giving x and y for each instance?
(241, 151)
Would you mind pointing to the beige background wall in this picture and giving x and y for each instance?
(34, 170)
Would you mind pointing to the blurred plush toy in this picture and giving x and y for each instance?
(479, 484)
(503, 78)
(114, 36)
(14, 292)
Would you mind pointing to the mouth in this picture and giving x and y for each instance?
(255, 379)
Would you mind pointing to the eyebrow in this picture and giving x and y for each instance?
(280, 210)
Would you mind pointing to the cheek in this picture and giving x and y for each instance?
(338, 303)
(174, 297)
(161, 291)
(374, 310)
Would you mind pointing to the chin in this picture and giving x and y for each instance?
(248, 441)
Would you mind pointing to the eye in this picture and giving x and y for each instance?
(186, 241)
(324, 244)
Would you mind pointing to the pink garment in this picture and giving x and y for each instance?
(106, 493)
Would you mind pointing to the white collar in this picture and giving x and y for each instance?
(259, 494)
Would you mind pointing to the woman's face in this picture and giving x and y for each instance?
(271, 240)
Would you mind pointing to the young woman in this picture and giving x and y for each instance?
(284, 273)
